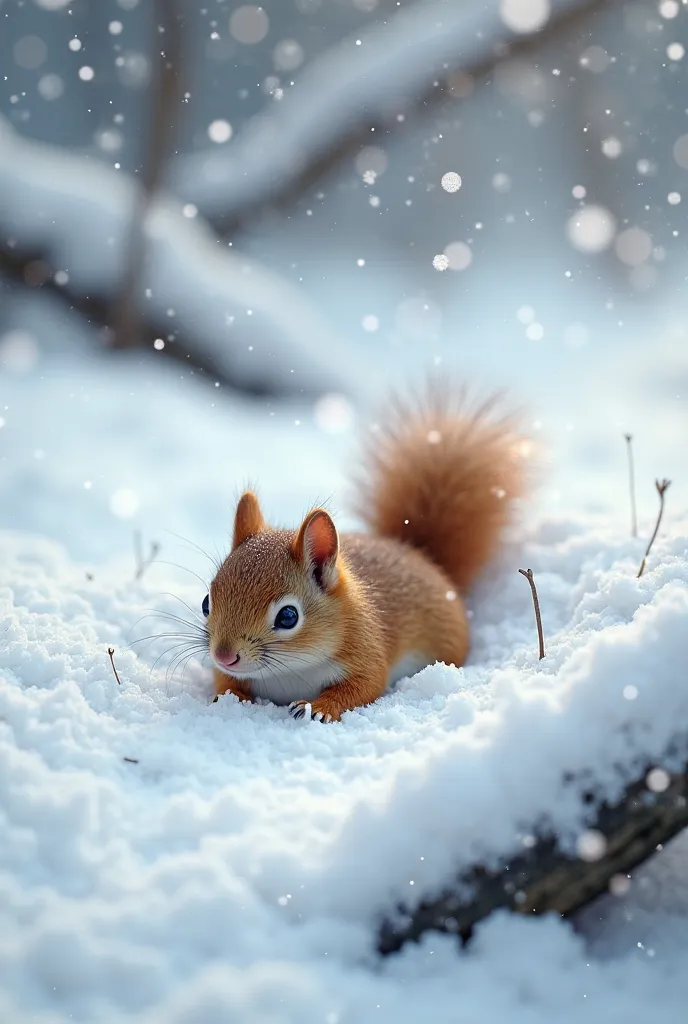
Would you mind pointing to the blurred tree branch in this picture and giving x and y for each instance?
(63, 225)
(164, 110)
(544, 878)
(351, 90)
(328, 115)
(34, 272)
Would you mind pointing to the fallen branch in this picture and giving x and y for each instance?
(528, 573)
(111, 652)
(545, 878)
(631, 485)
(662, 487)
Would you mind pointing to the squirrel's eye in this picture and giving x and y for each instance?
(206, 605)
(286, 617)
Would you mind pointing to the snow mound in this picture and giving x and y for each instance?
(165, 859)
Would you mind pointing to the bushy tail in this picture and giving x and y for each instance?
(441, 476)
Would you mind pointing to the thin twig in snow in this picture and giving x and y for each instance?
(662, 486)
(631, 485)
(111, 652)
(528, 573)
(143, 563)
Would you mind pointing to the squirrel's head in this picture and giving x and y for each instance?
(270, 607)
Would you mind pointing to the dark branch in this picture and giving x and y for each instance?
(111, 653)
(653, 809)
(528, 573)
(662, 487)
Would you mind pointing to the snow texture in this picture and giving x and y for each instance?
(78, 213)
(368, 78)
(172, 861)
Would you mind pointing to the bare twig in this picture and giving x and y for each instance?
(163, 119)
(662, 486)
(528, 573)
(138, 551)
(544, 878)
(111, 652)
(631, 485)
(143, 563)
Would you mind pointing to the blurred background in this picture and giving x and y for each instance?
(227, 229)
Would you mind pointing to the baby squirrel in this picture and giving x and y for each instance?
(307, 617)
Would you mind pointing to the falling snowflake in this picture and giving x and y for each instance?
(334, 413)
(658, 780)
(591, 845)
(451, 181)
(524, 15)
(220, 131)
(591, 229)
(459, 255)
(249, 24)
(124, 503)
(525, 314)
(612, 147)
(633, 246)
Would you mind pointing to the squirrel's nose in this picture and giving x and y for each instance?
(226, 658)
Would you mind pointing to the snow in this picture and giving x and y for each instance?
(77, 215)
(235, 867)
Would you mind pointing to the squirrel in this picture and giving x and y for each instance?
(325, 623)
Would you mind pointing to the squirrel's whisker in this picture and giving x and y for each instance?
(216, 562)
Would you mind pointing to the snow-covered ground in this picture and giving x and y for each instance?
(172, 861)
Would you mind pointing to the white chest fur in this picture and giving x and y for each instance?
(307, 679)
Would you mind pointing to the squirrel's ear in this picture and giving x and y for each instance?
(317, 546)
(248, 520)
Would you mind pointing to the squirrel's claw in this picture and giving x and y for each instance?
(300, 709)
(303, 709)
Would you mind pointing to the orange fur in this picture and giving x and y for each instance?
(440, 476)
(437, 490)
(248, 520)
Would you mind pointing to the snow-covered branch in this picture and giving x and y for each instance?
(548, 878)
(245, 322)
(360, 84)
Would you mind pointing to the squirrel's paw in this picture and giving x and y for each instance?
(304, 709)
